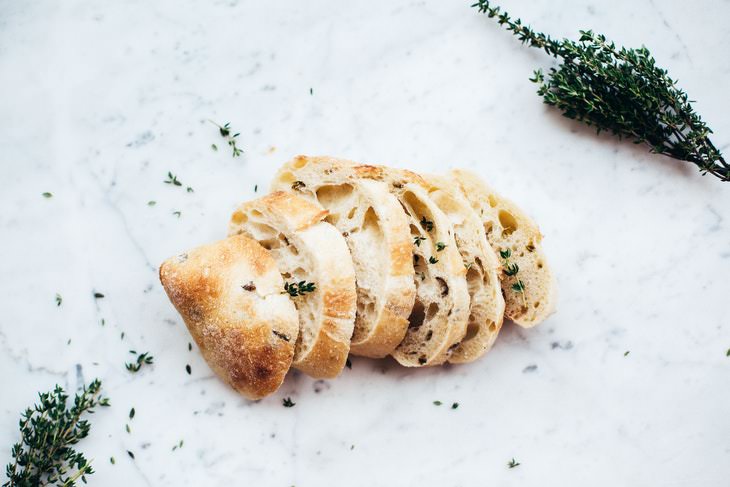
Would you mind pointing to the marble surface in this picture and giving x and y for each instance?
(101, 99)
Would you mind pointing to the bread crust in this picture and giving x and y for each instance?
(377, 334)
(508, 228)
(328, 264)
(486, 308)
(228, 294)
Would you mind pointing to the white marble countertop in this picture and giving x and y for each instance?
(101, 99)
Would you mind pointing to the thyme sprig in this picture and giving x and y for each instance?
(621, 91)
(45, 454)
(142, 359)
(511, 269)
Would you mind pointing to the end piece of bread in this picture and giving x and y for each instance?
(377, 233)
(229, 295)
(530, 293)
(486, 308)
(307, 250)
(440, 313)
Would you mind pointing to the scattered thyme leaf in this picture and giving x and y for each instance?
(417, 240)
(151, 203)
(98, 295)
(299, 289)
(432, 260)
(127, 428)
(626, 352)
(189, 190)
(311, 91)
(513, 463)
(190, 347)
(255, 188)
(112, 461)
(59, 299)
(288, 403)
(437, 403)
(177, 213)
(189, 369)
(455, 405)
(440, 246)
(214, 147)
(131, 413)
(47, 195)
(727, 354)
(131, 455)
(142, 359)
(172, 179)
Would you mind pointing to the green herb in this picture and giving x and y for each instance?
(288, 403)
(47, 195)
(437, 403)
(311, 91)
(59, 299)
(112, 461)
(621, 91)
(188, 369)
(255, 188)
(440, 246)
(513, 463)
(455, 405)
(151, 203)
(131, 455)
(426, 224)
(142, 359)
(214, 147)
(225, 131)
(299, 289)
(432, 260)
(98, 295)
(298, 185)
(189, 189)
(177, 213)
(626, 353)
(131, 413)
(519, 287)
(727, 354)
(190, 346)
(127, 428)
(172, 179)
(509, 269)
(417, 240)
(45, 454)
(179, 445)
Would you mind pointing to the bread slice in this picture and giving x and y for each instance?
(439, 317)
(528, 284)
(486, 308)
(316, 265)
(229, 295)
(377, 233)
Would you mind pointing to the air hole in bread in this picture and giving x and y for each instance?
(370, 220)
(539, 264)
(238, 217)
(472, 329)
(429, 335)
(443, 287)
(299, 162)
(417, 315)
(492, 201)
(537, 304)
(492, 326)
(432, 311)
(330, 196)
(530, 247)
(287, 177)
(417, 209)
(488, 228)
(508, 222)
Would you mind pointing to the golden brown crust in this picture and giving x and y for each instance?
(246, 335)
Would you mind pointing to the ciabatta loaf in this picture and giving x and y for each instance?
(528, 284)
(377, 233)
(486, 308)
(229, 295)
(440, 313)
(316, 265)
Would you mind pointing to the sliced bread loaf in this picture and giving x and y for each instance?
(440, 313)
(229, 295)
(486, 308)
(377, 233)
(314, 260)
(528, 285)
